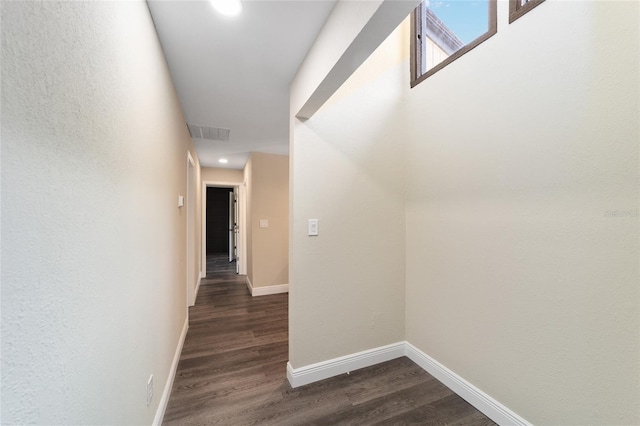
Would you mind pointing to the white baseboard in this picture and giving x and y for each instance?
(272, 289)
(333, 367)
(263, 291)
(476, 397)
(166, 393)
(249, 286)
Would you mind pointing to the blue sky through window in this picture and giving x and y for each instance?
(468, 19)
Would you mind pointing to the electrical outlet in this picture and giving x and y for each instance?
(149, 390)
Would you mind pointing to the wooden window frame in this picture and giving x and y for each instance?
(417, 74)
(516, 9)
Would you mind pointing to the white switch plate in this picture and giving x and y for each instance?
(313, 227)
(264, 223)
(180, 201)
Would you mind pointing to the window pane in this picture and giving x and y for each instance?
(449, 25)
(442, 31)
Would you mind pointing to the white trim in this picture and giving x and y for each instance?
(242, 205)
(190, 209)
(242, 240)
(493, 409)
(266, 290)
(166, 393)
(270, 289)
(249, 285)
(203, 229)
(344, 364)
(476, 397)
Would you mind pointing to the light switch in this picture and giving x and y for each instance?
(313, 227)
(264, 223)
(180, 201)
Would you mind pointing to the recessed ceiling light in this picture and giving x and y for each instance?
(227, 7)
(223, 161)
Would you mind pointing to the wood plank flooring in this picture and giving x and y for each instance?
(232, 371)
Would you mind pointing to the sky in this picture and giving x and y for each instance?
(468, 19)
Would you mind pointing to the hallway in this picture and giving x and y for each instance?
(235, 351)
(233, 371)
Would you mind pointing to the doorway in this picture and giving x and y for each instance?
(220, 222)
(222, 225)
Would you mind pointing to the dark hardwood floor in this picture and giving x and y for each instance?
(232, 371)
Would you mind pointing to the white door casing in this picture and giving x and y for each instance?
(190, 212)
(240, 189)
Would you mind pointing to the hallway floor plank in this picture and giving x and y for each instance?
(232, 371)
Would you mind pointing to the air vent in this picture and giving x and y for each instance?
(211, 133)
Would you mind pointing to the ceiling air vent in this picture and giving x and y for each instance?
(211, 133)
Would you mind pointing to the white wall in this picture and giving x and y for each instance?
(519, 165)
(344, 23)
(93, 244)
(516, 278)
(347, 284)
(351, 33)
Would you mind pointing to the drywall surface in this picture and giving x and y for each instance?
(249, 216)
(353, 30)
(522, 214)
(343, 25)
(347, 283)
(215, 174)
(268, 200)
(94, 152)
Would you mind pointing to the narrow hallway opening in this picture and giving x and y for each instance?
(235, 353)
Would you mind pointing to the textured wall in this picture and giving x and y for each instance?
(268, 194)
(347, 284)
(216, 174)
(344, 23)
(518, 276)
(519, 221)
(93, 243)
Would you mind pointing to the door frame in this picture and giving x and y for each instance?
(242, 235)
(233, 226)
(190, 207)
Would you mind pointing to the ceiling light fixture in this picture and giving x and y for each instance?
(223, 161)
(227, 7)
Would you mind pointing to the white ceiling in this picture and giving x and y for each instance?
(235, 72)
